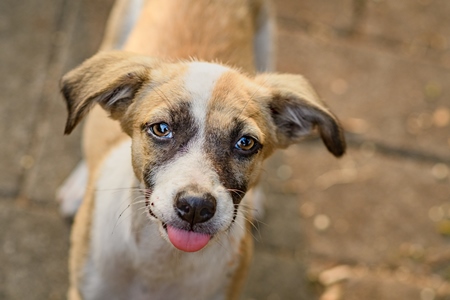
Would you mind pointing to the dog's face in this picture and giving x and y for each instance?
(200, 132)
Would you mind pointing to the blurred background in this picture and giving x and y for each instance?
(374, 224)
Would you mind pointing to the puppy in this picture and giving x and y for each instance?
(190, 124)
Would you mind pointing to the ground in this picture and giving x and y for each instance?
(372, 225)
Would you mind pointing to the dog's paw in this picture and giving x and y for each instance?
(70, 194)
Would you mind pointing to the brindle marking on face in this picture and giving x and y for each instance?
(234, 112)
(184, 129)
(219, 147)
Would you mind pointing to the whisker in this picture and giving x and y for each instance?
(251, 222)
(219, 240)
(236, 191)
(162, 95)
(247, 210)
(132, 200)
(256, 229)
(245, 229)
(121, 189)
(118, 218)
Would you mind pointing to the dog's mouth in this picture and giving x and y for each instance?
(182, 239)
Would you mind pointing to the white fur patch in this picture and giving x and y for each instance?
(200, 79)
(112, 197)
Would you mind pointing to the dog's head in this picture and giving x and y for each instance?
(200, 132)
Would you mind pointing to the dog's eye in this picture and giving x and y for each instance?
(161, 130)
(246, 144)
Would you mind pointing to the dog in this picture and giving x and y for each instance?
(179, 125)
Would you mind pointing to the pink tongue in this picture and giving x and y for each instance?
(187, 241)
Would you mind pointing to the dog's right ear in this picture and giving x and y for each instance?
(296, 110)
(110, 79)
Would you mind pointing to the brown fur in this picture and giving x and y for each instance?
(169, 29)
(226, 38)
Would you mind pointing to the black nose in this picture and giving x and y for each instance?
(195, 209)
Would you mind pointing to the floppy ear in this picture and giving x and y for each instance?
(110, 78)
(296, 110)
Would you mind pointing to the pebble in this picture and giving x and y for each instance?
(440, 171)
(335, 275)
(333, 292)
(441, 117)
(307, 210)
(322, 222)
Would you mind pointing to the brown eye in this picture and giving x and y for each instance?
(245, 143)
(161, 130)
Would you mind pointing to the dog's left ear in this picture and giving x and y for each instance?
(110, 78)
(296, 110)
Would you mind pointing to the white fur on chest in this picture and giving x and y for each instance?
(130, 260)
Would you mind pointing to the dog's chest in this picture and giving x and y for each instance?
(171, 274)
(130, 260)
